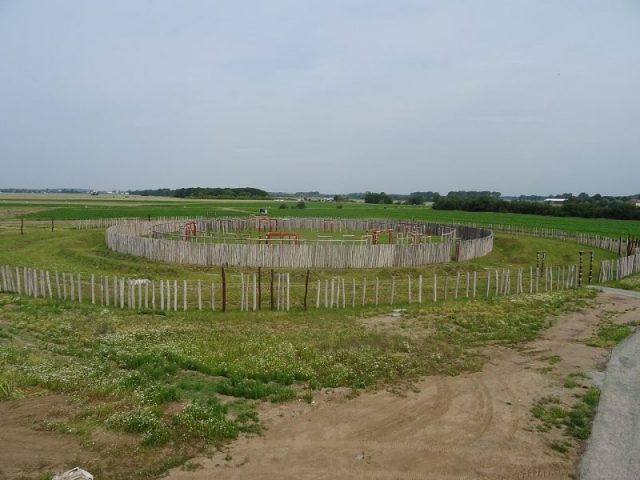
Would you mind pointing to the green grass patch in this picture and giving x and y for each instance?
(575, 421)
(609, 335)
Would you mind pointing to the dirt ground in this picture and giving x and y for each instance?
(470, 426)
(25, 450)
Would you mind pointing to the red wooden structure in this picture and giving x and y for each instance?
(375, 235)
(190, 230)
(289, 237)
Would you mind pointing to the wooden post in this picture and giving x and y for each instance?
(318, 287)
(271, 290)
(435, 288)
(288, 291)
(590, 267)
(213, 295)
(184, 295)
(153, 295)
(580, 253)
(377, 290)
(326, 293)
(259, 288)
(475, 281)
(106, 289)
(306, 289)
(241, 291)
(364, 291)
(446, 285)
(488, 282)
(353, 293)
(457, 285)
(224, 289)
(393, 288)
(420, 289)
(49, 285)
(409, 285)
(161, 294)
(175, 295)
(467, 289)
(279, 292)
(199, 287)
(20, 288)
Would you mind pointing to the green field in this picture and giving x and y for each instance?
(74, 207)
(170, 385)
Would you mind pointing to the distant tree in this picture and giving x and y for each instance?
(283, 206)
(301, 204)
(415, 199)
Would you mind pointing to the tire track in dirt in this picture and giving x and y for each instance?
(464, 427)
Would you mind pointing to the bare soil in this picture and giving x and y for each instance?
(25, 450)
(471, 426)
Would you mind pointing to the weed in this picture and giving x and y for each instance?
(575, 421)
(609, 335)
(561, 446)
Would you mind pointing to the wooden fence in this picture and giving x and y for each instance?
(618, 268)
(277, 290)
(145, 239)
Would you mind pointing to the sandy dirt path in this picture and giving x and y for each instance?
(612, 450)
(474, 426)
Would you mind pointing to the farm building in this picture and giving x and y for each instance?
(555, 201)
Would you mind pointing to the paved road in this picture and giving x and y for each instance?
(613, 451)
(618, 291)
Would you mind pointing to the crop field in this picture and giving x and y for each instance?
(74, 207)
(147, 392)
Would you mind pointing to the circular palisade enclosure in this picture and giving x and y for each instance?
(300, 242)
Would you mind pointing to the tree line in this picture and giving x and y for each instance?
(583, 205)
(200, 192)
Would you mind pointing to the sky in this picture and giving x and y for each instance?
(337, 96)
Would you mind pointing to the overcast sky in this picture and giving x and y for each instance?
(337, 96)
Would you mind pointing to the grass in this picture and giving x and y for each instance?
(575, 420)
(180, 382)
(629, 283)
(609, 335)
(81, 207)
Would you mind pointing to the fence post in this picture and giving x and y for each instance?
(259, 288)
(435, 288)
(364, 291)
(224, 289)
(271, 290)
(306, 289)
(184, 295)
(377, 290)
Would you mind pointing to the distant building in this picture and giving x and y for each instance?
(637, 203)
(555, 200)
